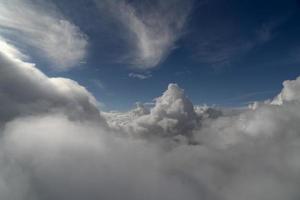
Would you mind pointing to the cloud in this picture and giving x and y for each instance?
(26, 90)
(290, 92)
(151, 28)
(139, 76)
(54, 144)
(77, 160)
(231, 155)
(120, 120)
(173, 114)
(240, 156)
(40, 25)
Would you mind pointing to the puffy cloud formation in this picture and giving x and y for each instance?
(152, 28)
(55, 145)
(26, 90)
(40, 25)
(173, 114)
(243, 154)
(120, 120)
(290, 92)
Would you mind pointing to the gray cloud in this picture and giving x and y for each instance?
(39, 24)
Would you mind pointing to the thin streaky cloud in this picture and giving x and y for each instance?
(43, 27)
(99, 84)
(140, 76)
(152, 29)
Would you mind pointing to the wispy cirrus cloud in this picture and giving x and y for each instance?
(140, 76)
(151, 29)
(98, 83)
(42, 26)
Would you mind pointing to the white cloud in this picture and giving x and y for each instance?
(152, 28)
(40, 25)
(120, 120)
(290, 92)
(173, 114)
(67, 159)
(237, 157)
(55, 145)
(26, 90)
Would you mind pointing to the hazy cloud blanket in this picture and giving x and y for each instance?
(55, 144)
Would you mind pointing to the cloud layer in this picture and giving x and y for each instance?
(55, 144)
(42, 26)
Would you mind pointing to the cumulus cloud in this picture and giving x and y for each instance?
(249, 154)
(152, 28)
(239, 156)
(40, 25)
(26, 90)
(173, 114)
(290, 92)
(119, 120)
(54, 144)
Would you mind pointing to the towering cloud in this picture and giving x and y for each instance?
(173, 114)
(39, 25)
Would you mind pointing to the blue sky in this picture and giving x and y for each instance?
(222, 52)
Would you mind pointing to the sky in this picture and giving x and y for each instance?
(222, 52)
(149, 100)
